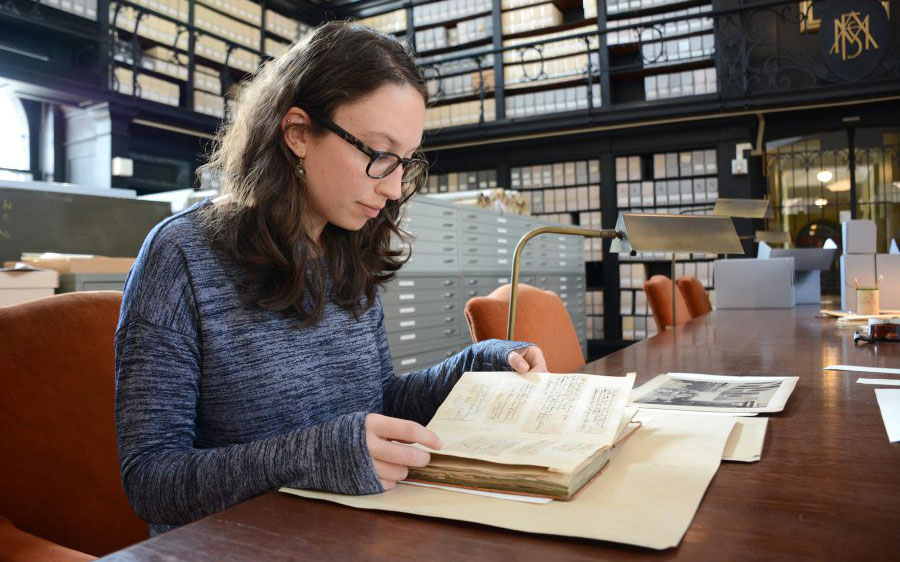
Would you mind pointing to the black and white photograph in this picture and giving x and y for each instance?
(721, 393)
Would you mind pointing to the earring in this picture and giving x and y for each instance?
(300, 170)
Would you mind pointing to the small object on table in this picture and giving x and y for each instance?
(879, 329)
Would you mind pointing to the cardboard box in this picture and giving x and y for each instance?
(754, 283)
(26, 285)
(81, 264)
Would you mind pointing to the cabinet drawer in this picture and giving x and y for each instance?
(407, 338)
(435, 263)
(414, 309)
(419, 322)
(415, 295)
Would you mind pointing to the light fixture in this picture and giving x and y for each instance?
(821, 202)
(638, 232)
(840, 185)
(743, 208)
(824, 176)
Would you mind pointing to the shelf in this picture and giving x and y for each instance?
(58, 21)
(563, 5)
(565, 26)
(626, 72)
(450, 22)
(653, 10)
(435, 101)
(449, 49)
(634, 46)
(225, 13)
(549, 84)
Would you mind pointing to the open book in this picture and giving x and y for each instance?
(536, 434)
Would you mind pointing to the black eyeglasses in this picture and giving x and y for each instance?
(381, 163)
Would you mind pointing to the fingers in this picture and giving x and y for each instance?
(517, 362)
(395, 453)
(527, 359)
(388, 472)
(391, 459)
(402, 430)
(537, 361)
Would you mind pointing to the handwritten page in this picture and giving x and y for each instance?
(537, 419)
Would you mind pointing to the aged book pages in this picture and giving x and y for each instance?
(538, 419)
(646, 497)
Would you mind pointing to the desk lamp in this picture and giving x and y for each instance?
(639, 232)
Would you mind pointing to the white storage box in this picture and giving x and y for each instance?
(808, 264)
(859, 237)
(754, 283)
(888, 265)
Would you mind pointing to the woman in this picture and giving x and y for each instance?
(251, 351)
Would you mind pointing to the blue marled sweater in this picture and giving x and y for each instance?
(218, 401)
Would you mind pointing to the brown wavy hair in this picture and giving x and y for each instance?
(259, 223)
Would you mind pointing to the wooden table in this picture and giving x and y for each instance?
(827, 487)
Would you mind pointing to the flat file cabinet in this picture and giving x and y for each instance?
(459, 253)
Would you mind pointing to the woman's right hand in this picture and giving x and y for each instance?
(392, 460)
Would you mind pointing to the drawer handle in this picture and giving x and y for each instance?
(449, 249)
(449, 307)
(473, 293)
(472, 250)
(449, 319)
(473, 281)
(449, 295)
(449, 237)
(449, 261)
(472, 227)
(449, 225)
(448, 283)
(447, 213)
(450, 332)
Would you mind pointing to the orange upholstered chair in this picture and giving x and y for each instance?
(694, 294)
(541, 318)
(59, 474)
(659, 295)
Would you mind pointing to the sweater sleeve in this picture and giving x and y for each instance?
(416, 396)
(167, 478)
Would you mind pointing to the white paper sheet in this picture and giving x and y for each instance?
(647, 496)
(889, 402)
(495, 495)
(861, 369)
(746, 441)
(882, 382)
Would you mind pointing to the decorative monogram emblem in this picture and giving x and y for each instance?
(851, 36)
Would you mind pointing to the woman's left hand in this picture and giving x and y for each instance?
(527, 359)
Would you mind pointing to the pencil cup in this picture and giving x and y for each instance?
(867, 301)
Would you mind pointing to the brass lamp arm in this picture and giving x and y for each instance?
(514, 285)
